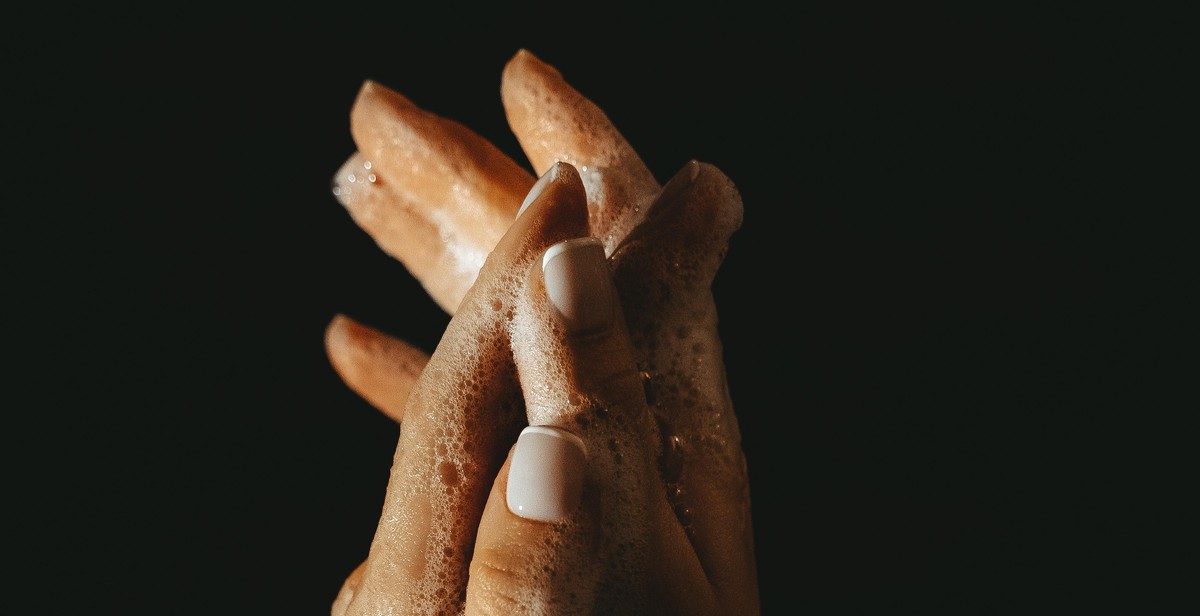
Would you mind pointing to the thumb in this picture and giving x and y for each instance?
(534, 516)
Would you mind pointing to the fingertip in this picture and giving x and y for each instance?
(345, 596)
(557, 202)
(549, 176)
(335, 330)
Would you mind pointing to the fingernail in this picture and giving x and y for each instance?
(579, 284)
(538, 186)
(680, 181)
(545, 478)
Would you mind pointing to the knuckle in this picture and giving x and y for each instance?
(493, 588)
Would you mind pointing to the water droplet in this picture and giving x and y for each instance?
(648, 387)
(683, 513)
(671, 451)
(351, 178)
(366, 164)
(371, 177)
(671, 461)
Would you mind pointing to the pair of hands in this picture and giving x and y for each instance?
(582, 306)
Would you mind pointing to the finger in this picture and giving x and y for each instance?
(437, 196)
(401, 227)
(580, 383)
(664, 271)
(574, 346)
(518, 566)
(459, 422)
(554, 122)
(349, 588)
(376, 366)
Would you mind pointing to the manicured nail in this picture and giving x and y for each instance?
(579, 284)
(545, 478)
(538, 186)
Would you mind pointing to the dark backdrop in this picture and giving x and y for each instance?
(909, 311)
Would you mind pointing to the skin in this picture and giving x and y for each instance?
(380, 368)
(446, 540)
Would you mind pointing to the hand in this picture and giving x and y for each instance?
(464, 411)
(593, 439)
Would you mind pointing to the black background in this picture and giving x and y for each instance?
(914, 312)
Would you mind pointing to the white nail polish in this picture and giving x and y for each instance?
(545, 477)
(579, 284)
(538, 186)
